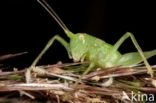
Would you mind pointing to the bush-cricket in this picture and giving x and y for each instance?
(84, 47)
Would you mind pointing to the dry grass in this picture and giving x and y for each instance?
(56, 84)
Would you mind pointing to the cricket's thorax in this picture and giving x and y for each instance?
(87, 47)
(100, 54)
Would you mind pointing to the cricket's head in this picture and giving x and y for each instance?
(78, 47)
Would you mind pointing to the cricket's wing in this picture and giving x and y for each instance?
(133, 58)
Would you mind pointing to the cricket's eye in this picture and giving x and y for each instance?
(82, 38)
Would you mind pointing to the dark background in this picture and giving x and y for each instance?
(26, 26)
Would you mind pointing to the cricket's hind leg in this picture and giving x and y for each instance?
(123, 38)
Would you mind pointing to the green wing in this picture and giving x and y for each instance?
(133, 58)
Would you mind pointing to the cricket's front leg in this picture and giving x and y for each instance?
(91, 66)
(50, 42)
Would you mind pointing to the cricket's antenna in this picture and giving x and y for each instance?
(50, 10)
